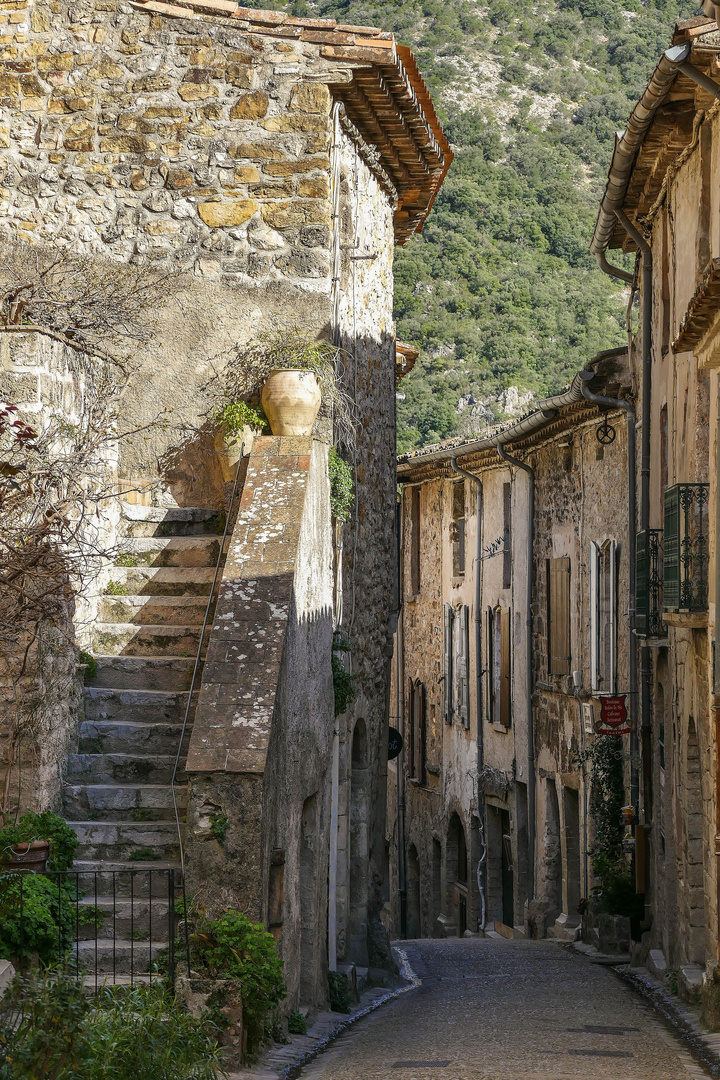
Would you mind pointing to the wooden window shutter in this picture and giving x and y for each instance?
(448, 672)
(412, 720)
(594, 617)
(505, 685)
(559, 616)
(422, 710)
(464, 667)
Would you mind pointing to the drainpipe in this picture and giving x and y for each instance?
(529, 674)
(620, 403)
(647, 285)
(482, 877)
(400, 713)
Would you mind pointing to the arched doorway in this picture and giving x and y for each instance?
(457, 869)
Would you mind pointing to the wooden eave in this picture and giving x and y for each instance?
(405, 359)
(387, 99)
(701, 311)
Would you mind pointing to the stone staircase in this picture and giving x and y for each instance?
(117, 788)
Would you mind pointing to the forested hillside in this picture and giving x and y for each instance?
(499, 289)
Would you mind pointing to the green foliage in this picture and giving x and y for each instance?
(343, 681)
(142, 855)
(141, 814)
(90, 664)
(31, 826)
(232, 947)
(219, 826)
(217, 522)
(115, 588)
(342, 486)
(499, 288)
(235, 415)
(297, 1024)
(126, 559)
(125, 1033)
(37, 917)
(339, 992)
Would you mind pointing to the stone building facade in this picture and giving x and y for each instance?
(662, 202)
(274, 162)
(488, 803)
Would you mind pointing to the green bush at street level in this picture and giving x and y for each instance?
(43, 924)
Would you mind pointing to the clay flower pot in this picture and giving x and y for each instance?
(31, 857)
(291, 400)
(228, 447)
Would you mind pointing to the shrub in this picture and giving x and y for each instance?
(339, 992)
(90, 665)
(342, 486)
(138, 1033)
(232, 947)
(115, 588)
(297, 1025)
(31, 826)
(43, 924)
(235, 415)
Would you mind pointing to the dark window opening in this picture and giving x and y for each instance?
(457, 528)
(415, 540)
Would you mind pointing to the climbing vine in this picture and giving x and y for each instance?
(342, 487)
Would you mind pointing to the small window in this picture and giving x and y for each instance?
(603, 616)
(457, 528)
(415, 540)
(507, 536)
(559, 658)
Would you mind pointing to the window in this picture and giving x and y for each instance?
(415, 540)
(499, 665)
(456, 675)
(685, 548)
(558, 572)
(457, 528)
(418, 731)
(507, 536)
(603, 616)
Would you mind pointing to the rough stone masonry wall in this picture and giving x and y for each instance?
(369, 598)
(186, 142)
(260, 747)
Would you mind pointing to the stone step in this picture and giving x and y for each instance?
(105, 706)
(172, 551)
(154, 610)
(129, 639)
(106, 956)
(128, 736)
(120, 917)
(141, 521)
(164, 581)
(120, 768)
(116, 802)
(117, 840)
(170, 673)
(124, 879)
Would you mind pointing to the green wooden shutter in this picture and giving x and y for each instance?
(671, 550)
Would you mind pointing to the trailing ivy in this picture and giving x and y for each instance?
(342, 486)
(343, 681)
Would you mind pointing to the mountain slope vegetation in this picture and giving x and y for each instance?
(500, 289)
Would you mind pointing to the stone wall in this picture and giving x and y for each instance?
(260, 747)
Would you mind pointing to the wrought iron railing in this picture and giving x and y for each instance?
(649, 584)
(685, 548)
(112, 926)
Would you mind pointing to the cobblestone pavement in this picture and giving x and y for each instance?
(507, 1010)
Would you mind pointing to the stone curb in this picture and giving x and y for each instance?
(683, 1020)
(286, 1062)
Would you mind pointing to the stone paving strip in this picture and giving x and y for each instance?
(489, 1009)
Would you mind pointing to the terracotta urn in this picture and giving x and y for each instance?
(291, 400)
(228, 447)
(26, 856)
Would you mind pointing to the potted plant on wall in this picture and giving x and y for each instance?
(294, 376)
(238, 424)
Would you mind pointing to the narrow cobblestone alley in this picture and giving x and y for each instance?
(507, 1010)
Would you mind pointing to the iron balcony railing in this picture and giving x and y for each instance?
(649, 584)
(685, 548)
(113, 926)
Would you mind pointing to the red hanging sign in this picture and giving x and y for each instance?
(613, 716)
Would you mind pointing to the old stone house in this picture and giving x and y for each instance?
(275, 161)
(662, 202)
(515, 572)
